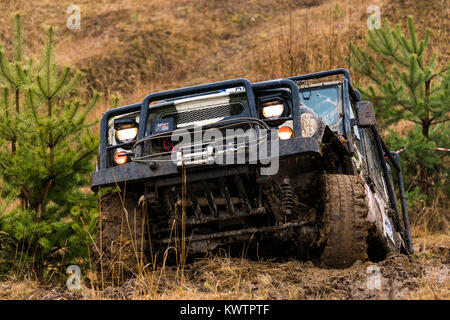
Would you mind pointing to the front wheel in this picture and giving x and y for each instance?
(344, 227)
(121, 236)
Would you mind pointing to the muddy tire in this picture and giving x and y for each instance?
(344, 226)
(121, 237)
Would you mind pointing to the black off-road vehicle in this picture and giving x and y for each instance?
(292, 166)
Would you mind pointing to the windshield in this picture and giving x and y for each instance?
(323, 101)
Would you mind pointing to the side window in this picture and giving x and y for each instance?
(355, 127)
(373, 161)
(356, 132)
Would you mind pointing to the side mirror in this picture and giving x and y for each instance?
(366, 114)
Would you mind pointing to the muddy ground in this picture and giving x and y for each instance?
(424, 275)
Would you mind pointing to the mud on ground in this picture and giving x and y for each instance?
(424, 275)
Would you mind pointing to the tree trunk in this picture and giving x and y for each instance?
(426, 128)
(424, 182)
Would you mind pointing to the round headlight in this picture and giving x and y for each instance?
(126, 135)
(272, 109)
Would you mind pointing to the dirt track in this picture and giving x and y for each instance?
(425, 275)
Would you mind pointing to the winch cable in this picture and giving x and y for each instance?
(141, 159)
(236, 122)
(163, 135)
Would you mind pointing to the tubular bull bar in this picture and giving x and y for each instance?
(145, 107)
(138, 171)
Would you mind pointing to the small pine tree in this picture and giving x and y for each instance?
(46, 149)
(407, 84)
(51, 147)
(15, 76)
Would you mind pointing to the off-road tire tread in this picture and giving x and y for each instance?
(121, 253)
(344, 221)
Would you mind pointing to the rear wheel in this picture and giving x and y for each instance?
(344, 226)
(121, 236)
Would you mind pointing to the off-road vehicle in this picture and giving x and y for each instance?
(292, 166)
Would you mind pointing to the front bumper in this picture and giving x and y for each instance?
(166, 172)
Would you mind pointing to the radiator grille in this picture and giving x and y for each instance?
(215, 112)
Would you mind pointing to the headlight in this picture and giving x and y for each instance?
(126, 135)
(309, 124)
(272, 109)
(126, 129)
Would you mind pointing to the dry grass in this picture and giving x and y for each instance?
(434, 216)
(426, 276)
(134, 47)
(435, 283)
(18, 290)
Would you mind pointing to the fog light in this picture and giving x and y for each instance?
(120, 157)
(284, 133)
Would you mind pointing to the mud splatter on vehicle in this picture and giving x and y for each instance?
(287, 167)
